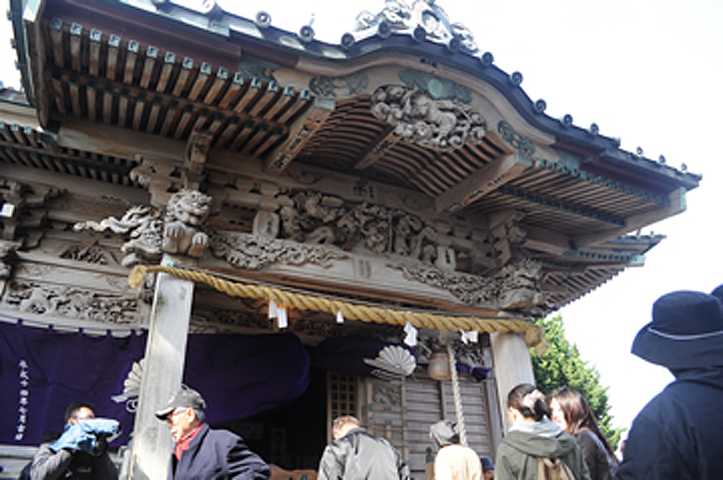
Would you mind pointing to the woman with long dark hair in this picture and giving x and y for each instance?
(536, 448)
(571, 411)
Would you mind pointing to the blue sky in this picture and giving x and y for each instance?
(649, 72)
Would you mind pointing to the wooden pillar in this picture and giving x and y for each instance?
(162, 375)
(512, 366)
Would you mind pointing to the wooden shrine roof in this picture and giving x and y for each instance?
(162, 72)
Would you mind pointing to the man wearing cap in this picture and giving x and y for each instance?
(679, 433)
(454, 461)
(204, 453)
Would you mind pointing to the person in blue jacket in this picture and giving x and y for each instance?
(677, 435)
(203, 453)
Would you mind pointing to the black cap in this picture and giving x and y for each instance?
(184, 398)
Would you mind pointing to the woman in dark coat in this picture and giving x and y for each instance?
(571, 411)
(533, 440)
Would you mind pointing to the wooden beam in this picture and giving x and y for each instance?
(378, 148)
(547, 241)
(300, 133)
(117, 142)
(71, 183)
(77, 161)
(676, 204)
(481, 182)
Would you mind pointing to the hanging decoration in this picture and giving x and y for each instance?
(438, 368)
(393, 362)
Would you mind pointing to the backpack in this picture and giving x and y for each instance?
(553, 469)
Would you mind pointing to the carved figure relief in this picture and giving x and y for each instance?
(520, 285)
(92, 253)
(387, 394)
(441, 124)
(423, 19)
(314, 218)
(507, 236)
(72, 302)
(178, 228)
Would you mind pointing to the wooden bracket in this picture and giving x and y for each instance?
(481, 182)
(386, 140)
(194, 164)
(300, 133)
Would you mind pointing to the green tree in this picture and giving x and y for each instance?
(561, 365)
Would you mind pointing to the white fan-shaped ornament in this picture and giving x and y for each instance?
(392, 362)
(131, 387)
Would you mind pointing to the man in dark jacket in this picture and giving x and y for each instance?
(204, 453)
(678, 434)
(69, 458)
(355, 454)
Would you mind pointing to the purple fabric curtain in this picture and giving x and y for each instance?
(42, 371)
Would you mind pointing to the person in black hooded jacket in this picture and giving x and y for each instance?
(677, 435)
(355, 454)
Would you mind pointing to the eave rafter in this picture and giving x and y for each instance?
(483, 181)
(301, 131)
(100, 90)
(675, 204)
(551, 202)
(23, 145)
